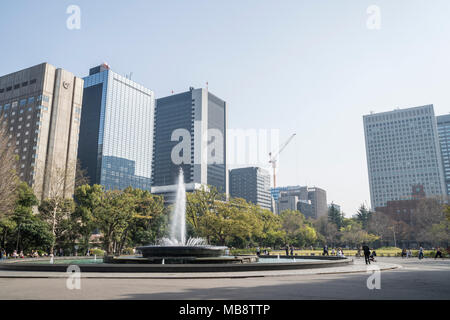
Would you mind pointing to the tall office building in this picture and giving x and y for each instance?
(318, 198)
(443, 127)
(190, 132)
(251, 184)
(40, 108)
(116, 132)
(402, 149)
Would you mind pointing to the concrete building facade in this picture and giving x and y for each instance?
(402, 148)
(41, 107)
(312, 202)
(318, 198)
(443, 127)
(251, 184)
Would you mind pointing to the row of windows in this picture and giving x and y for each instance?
(17, 86)
(24, 102)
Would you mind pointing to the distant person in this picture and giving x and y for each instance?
(404, 253)
(292, 250)
(438, 253)
(287, 249)
(258, 251)
(408, 253)
(359, 252)
(325, 250)
(372, 256)
(420, 253)
(333, 252)
(366, 254)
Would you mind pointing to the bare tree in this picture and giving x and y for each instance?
(58, 205)
(381, 225)
(8, 177)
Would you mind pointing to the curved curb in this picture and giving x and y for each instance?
(220, 275)
(176, 268)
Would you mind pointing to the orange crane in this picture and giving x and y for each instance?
(273, 158)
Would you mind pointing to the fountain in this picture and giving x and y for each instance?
(176, 248)
(175, 253)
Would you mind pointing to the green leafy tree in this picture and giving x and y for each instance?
(297, 229)
(87, 198)
(23, 230)
(121, 213)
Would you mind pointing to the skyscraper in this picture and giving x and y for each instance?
(402, 151)
(40, 106)
(443, 126)
(190, 132)
(318, 198)
(116, 132)
(251, 184)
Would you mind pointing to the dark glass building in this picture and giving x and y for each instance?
(190, 132)
(116, 131)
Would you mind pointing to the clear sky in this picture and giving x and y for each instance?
(309, 67)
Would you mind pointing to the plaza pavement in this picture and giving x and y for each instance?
(400, 279)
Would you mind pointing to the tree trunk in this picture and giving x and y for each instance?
(52, 248)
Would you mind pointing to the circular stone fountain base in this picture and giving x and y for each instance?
(182, 251)
(180, 260)
(317, 262)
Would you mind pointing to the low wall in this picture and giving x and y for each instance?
(325, 262)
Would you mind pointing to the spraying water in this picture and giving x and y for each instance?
(178, 215)
(177, 223)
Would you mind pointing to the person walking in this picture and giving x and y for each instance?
(292, 250)
(325, 250)
(366, 254)
(438, 253)
(420, 253)
(287, 249)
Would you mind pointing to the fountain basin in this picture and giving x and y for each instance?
(103, 266)
(181, 251)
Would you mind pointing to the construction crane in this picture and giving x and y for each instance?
(273, 158)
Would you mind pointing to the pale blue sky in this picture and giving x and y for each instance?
(310, 67)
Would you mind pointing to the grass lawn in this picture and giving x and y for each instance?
(382, 252)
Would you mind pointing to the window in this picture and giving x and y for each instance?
(33, 81)
(16, 86)
(24, 84)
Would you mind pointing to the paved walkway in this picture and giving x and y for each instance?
(414, 279)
